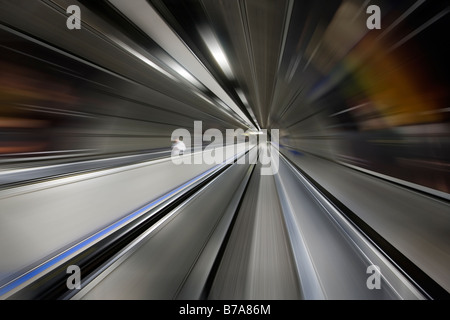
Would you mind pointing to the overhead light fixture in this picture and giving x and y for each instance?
(216, 50)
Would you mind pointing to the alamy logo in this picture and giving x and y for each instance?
(74, 20)
(374, 20)
(216, 152)
(74, 280)
(374, 280)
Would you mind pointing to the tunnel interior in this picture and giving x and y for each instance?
(357, 118)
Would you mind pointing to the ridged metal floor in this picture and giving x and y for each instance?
(257, 263)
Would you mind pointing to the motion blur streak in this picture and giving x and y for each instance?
(87, 118)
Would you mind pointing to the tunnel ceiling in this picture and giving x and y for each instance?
(283, 64)
(298, 66)
(272, 49)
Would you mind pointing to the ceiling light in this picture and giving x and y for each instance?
(216, 50)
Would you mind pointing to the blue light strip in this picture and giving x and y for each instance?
(30, 274)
